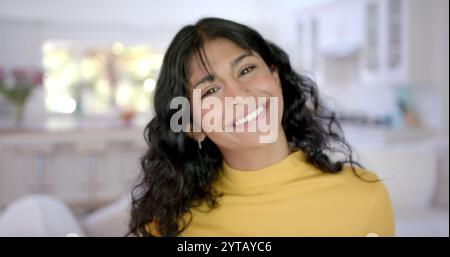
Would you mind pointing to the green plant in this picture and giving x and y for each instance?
(17, 86)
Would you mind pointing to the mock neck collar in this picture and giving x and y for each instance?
(283, 171)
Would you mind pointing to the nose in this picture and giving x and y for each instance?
(236, 89)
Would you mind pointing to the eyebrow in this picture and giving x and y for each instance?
(211, 78)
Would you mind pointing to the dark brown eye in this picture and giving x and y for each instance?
(246, 70)
(210, 91)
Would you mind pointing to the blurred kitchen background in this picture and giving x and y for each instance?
(77, 77)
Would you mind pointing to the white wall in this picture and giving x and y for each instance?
(25, 24)
(441, 61)
(431, 45)
(136, 12)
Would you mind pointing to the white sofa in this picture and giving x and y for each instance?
(417, 177)
(43, 215)
(38, 215)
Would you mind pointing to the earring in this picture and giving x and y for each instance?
(199, 144)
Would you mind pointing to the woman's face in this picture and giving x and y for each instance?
(237, 74)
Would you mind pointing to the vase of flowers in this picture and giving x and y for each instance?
(17, 86)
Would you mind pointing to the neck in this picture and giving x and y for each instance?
(258, 158)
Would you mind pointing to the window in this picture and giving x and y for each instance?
(99, 78)
(301, 43)
(395, 26)
(314, 42)
(372, 36)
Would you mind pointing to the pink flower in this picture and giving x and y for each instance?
(37, 77)
(20, 74)
(2, 74)
(28, 76)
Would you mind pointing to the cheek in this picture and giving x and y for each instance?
(270, 85)
(265, 82)
(210, 116)
(211, 119)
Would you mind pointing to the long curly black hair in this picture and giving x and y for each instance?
(177, 175)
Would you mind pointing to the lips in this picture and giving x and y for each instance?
(251, 116)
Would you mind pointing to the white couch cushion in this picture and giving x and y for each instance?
(38, 215)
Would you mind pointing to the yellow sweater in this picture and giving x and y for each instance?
(293, 198)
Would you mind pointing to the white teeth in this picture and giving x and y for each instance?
(251, 116)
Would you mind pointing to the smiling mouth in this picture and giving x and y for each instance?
(250, 117)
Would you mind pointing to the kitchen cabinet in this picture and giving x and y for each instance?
(376, 42)
(385, 45)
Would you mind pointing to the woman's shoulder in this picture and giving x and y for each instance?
(354, 183)
(364, 182)
(353, 180)
(360, 174)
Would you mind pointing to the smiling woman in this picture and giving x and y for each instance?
(228, 183)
